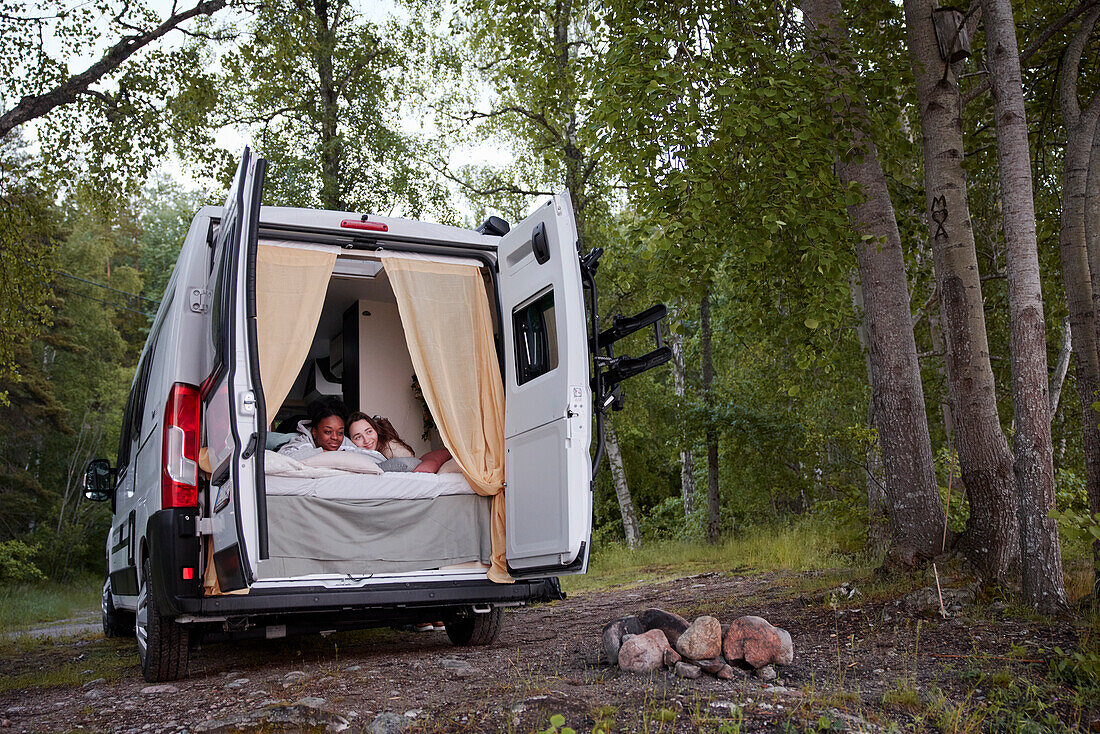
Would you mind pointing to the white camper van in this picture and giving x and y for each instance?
(484, 342)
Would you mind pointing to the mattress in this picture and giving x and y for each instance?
(351, 486)
(310, 534)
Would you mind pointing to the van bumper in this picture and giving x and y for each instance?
(380, 601)
(174, 546)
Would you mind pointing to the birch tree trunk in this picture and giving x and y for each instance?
(878, 518)
(991, 540)
(1043, 583)
(687, 459)
(714, 528)
(1080, 130)
(916, 515)
(1092, 241)
(1061, 368)
(622, 490)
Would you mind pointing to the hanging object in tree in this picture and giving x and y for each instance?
(951, 36)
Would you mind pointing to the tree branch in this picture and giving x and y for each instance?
(1071, 65)
(67, 92)
(1029, 51)
(539, 118)
(503, 189)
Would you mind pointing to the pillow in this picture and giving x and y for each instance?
(345, 460)
(400, 463)
(450, 466)
(276, 440)
(432, 460)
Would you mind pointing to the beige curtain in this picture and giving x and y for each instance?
(445, 313)
(290, 291)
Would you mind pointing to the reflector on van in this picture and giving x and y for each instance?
(180, 448)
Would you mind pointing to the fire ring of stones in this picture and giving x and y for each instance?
(655, 638)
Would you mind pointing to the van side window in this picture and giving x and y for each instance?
(220, 302)
(136, 414)
(536, 337)
(125, 436)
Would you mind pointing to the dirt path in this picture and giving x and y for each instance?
(82, 624)
(861, 664)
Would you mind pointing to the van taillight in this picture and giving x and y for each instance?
(363, 224)
(179, 484)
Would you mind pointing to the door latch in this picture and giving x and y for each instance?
(200, 300)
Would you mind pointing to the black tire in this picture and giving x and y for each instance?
(476, 629)
(163, 645)
(116, 622)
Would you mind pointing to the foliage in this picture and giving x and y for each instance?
(27, 234)
(15, 562)
(321, 89)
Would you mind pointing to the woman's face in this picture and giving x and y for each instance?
(363, 435)
(328, 433)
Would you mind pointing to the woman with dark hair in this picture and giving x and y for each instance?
(375, 433)
(323, 430)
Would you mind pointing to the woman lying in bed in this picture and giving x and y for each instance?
(323, 431)
(375, 433)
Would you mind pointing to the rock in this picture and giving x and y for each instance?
(94, 683)
(459, 667)
(388, 723)
(758, 643)
(687, 670)
(162, 688)
(726, 672)
(767, 674)
(294, 675)
(671, 658)
(643, 653)
(93, 693)
(673, 625)
(711, 665)
(701, 640)
(613, 633)
(310, 702)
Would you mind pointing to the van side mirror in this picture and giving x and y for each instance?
(99, 480)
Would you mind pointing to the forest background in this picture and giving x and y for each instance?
(834, 202)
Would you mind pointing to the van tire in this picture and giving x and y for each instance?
(476, 629)
(165, 649)
(116, 622)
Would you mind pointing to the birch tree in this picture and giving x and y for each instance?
(916, 515)
(991, 539)
(1043, 583)
(1080, 125)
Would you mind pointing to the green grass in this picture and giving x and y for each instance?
(26, 605)
(807, 545)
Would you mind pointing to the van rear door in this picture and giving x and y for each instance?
(233, 408)
(548, 402)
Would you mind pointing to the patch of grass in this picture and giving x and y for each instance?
(42, 664)
(28, 604)
(803, 546)
(903, 694)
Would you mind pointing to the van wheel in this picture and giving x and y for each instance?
(116, 622)
(476, 629)
(163, 645)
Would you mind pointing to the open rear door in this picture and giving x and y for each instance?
(233, 407)
(548, 403)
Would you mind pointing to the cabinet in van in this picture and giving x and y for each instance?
(483, 342)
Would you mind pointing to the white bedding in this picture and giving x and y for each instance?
(288, 477)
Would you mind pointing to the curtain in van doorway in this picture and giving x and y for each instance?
(290, 290)
(445, 314)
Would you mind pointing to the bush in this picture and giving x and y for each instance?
(15, 562)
